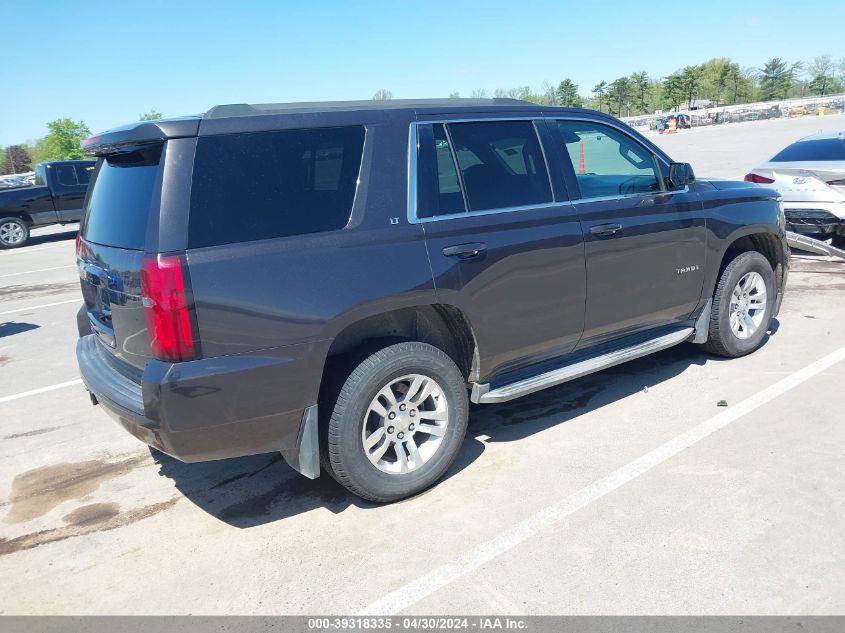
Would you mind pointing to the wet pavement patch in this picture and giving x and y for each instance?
(92, 514)
(36, 492)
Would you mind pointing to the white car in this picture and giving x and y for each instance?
(810, 175)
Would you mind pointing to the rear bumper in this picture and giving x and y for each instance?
(200, 410)
(812, 218)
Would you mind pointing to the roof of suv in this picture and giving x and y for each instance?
(419, 105)
(251, 117)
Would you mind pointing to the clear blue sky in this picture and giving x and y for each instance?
(106, 62)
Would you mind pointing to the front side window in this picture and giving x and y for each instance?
(66, 175)
(261, 185)
(479, 166)
(606, 161)
(83, 172)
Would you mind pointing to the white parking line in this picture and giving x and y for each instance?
(40, 270)
(43, 305)
(421, 588)
(35, 392)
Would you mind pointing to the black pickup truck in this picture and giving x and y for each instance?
(55, 198)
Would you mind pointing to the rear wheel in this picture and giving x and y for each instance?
(14, 233)
(398, 422)
(742, 306)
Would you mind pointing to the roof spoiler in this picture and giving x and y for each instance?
(130, 137)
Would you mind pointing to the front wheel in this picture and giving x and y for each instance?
(742, 306)
(14, 233)
(398, 422)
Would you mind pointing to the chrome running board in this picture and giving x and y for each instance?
(481, 393)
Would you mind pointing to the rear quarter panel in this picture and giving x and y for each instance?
(295, 294)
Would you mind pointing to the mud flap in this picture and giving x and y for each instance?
(702, 324)
(305, 458)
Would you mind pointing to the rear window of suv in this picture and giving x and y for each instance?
(261, 185)
(118, 208)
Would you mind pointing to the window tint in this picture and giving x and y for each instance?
(273, 184)
(120, 203)
(83, 172)
(819, 149)
(438, 185)
(66, 175)
(606, 161)
(501, 164)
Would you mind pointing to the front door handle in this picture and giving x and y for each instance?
(465, 251)
(605, 230)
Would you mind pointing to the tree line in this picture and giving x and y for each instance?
(60, 143)
(720, 81)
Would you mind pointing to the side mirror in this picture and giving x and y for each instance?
(680, 175)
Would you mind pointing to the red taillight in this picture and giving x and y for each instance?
(78, 238)
(760, 180)
(165, 289)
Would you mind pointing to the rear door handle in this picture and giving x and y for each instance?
(605, 230)
(465, 251)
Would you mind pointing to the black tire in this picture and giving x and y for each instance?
(722, 341)
(344, 451)
(22, 226)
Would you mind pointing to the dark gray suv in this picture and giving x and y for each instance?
(337, 281)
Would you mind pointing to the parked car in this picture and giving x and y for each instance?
(336, 282)
(772, 112)
(55, 198)
(810, 175)
(682, 121)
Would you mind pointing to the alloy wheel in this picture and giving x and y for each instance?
(748, 305)
(405, 424)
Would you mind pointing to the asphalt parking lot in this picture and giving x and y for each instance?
(629, 491)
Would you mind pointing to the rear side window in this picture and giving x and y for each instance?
(119, 205)
(261, 185)
(501, 164)
(41, 175)
(819, 149)
(483, 166)
(439, 186)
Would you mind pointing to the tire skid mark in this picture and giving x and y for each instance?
(88, 519)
